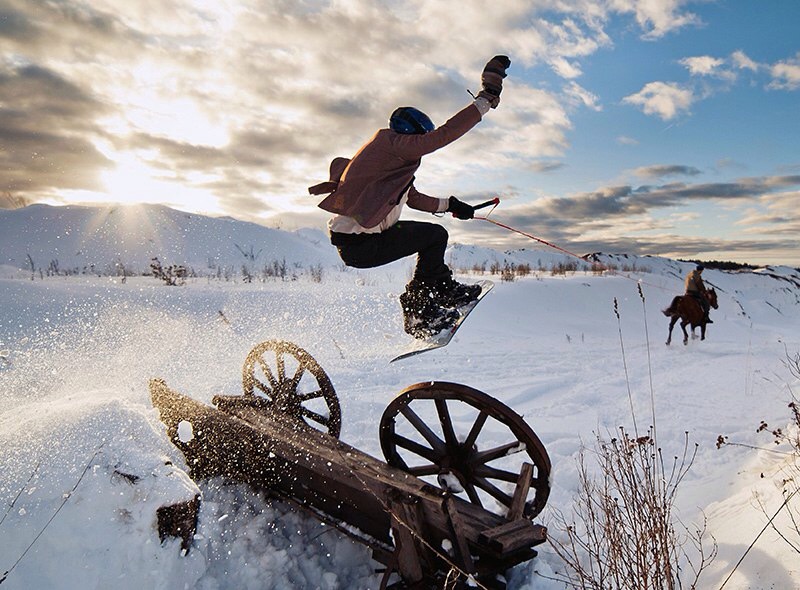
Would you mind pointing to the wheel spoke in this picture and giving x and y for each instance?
(447, 424)
(415, 447)
(319, 418)
(476, 429)
(497, 452)
(267, 372)
(266, 390)
(281, 364)
(298, 375)
(436, 443)
(493, 491)
(472, 494)
(493, 473)
(304, 397)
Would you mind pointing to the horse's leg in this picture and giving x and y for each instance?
(671, 325)
(703, 331)
(685, 333)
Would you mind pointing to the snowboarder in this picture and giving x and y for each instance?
(696, 289)
(366, 194)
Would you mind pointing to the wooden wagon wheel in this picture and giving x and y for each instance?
(290, 378)
(477, 451)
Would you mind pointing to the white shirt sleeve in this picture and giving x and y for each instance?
(482, 105)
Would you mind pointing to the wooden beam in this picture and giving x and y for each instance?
(515, 510)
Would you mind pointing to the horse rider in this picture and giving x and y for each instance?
(697, 289)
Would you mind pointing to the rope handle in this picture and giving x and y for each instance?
(495, 202)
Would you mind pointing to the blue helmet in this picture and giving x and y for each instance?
(409, 120)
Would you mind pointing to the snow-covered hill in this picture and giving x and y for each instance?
(86, 463)
(106, 240)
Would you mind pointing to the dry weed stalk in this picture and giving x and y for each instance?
(783, 437)
(790, 485)
(622, 534)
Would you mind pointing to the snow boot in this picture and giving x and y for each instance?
(422, 315)
(450, 293)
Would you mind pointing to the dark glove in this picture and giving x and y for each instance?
(492, 79)
(460, 209)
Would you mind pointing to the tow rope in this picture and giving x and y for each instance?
(496, 201)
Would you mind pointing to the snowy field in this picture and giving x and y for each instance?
(86, 463)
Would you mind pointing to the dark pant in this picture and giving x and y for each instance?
(702, 300)
(427, 240)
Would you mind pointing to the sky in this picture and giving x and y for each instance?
(663, 127)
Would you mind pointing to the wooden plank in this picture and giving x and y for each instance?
(407, 523)
(521, 492)
(459, 537)
(514, 535)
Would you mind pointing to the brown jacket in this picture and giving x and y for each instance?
(694, 282)
(367, 187)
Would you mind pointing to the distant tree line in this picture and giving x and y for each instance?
(509, 271)
(177, 274)
(722, 264)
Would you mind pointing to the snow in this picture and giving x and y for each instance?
(86, 462)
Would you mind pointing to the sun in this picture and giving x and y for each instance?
(133, 180)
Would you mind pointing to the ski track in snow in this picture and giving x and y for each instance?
(73, 393)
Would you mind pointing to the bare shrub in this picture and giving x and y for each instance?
(316, 272)
(508, 274)
(173, 275)
(562, 268)
(787, 443)
(623, 533)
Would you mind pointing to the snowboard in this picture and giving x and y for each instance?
(444, 337)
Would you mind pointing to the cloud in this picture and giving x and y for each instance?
(705, 65)
(576, 94)
(623, 219)
(660, 171)
(786, 74)
(741, 61)
(667, 99)
(544, 167)
(773, 215)
(252, 96)
(625, 140)
(564, 68)
(663, 99)
(48, 121)
(623, 201)
(657, 17)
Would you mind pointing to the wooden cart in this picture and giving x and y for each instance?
(464, 475)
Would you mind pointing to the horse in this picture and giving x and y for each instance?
(687, 309)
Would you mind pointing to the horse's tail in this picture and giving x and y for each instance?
(673, 307)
